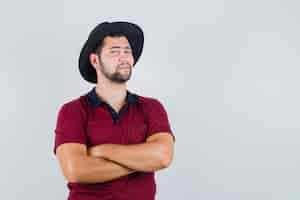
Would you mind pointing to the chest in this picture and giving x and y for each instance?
(130, 128)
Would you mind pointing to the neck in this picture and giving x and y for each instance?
(112, 93)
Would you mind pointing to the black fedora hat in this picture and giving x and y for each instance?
(133, 33)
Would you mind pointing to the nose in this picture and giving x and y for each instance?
(123, 56)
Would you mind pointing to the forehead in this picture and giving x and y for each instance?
(109, 41)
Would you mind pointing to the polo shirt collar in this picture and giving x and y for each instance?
(95, 100)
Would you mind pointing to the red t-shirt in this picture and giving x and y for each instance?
(89, 120)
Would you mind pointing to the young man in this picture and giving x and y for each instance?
(109, 142)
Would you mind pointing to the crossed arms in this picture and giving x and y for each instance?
(107, 162)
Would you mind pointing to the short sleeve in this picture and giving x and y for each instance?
(157, 119)
(70, 125)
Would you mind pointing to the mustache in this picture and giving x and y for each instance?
(122, 65)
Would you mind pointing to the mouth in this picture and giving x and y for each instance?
(124, 68)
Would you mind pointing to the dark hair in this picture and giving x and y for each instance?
(100, 45)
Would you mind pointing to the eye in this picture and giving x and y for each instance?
(114, 52)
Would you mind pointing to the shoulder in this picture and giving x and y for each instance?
(144, 100)
(75, 106)
(150, 103)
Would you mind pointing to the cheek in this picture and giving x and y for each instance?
(111, 62)
(131, 60)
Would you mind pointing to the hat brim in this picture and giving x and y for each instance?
(133, 33)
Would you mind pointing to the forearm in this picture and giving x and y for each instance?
(146, 157)
(97, 170)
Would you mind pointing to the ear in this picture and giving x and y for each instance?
(93, 60)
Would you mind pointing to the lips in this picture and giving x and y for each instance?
(124, 68)
(127, 67)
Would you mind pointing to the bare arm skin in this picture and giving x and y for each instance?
(78, 166)
(155, 154)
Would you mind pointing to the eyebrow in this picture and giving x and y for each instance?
(118, 47)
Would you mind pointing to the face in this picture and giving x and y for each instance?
(116, 59)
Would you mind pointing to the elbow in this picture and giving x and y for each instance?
(165, 157)
(159, 162)
(165, 160)
(72, 177)
(72, 173)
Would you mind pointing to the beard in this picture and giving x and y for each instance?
(117, 76)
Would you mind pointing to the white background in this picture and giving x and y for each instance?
(226, 71)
